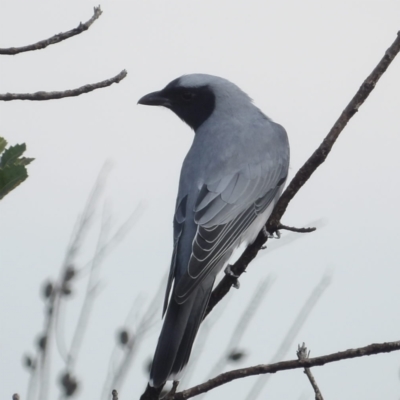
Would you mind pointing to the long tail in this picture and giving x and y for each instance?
(182, 321)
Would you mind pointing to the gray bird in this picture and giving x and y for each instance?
(230, 181)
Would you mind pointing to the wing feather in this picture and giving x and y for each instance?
(241, 185)
(179, 219)
(223, 211)
(216, 207)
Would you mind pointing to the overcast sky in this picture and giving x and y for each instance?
(301, 62)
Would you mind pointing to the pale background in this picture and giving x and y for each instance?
(301, 61)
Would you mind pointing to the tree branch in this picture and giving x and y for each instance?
(305, 173)
(303, 354)
(54, 39)
(286, 365)
(40, 96)
(293, 229)
(292, 333)
(324, 149)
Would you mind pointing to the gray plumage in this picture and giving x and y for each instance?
(230, 180)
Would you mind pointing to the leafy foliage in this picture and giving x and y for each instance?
(12, 166)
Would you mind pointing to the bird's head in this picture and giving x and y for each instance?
(194, 98)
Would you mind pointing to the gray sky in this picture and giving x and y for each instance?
(301, 62)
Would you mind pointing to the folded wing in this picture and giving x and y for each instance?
(224, 210)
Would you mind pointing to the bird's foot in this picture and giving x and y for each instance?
(171, 393)
(151, 393)
(228, 271)
(268, 235)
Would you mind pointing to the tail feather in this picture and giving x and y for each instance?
(182, 321)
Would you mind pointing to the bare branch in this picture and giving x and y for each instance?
(222, 379)
(292, 333)
(243, 322)
(90, 294)
(103, 247)
(305, 172)
(303, 354)
(55, 299)
(54, 39)
(289, 238)
(324, 149)
(118, 372)
(293, 229)
(40, 96)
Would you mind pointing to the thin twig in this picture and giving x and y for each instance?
(41, 96)
(222, 379)
(289, 238)
(54, 39)
(303, 354)
(32, 383)
(85, 220)
(243, 323)
(293, 229)
(103, 247)
(90, 294)
(78, 237)
(118, 235)
(305, 172)
(291, 335)
(54, 302)
(116, 375)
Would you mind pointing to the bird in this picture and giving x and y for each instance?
(231, 178)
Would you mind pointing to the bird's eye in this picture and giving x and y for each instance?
(187, 96)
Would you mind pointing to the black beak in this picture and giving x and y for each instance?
(155, 99)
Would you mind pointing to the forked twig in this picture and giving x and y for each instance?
(292, 333)
(54, 39)
(303, 354)
(376, 348)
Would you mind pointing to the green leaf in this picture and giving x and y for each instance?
(3, 144)
(11, 154)
(12, 167)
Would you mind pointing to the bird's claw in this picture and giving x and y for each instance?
(268, 235)
(228, 271)
(171, 394)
